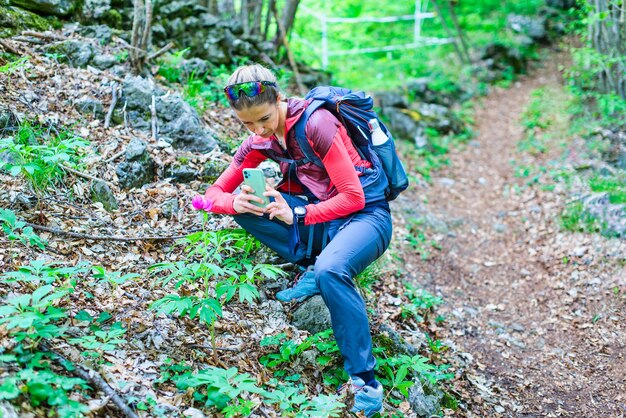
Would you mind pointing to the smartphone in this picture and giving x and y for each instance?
(255, 178)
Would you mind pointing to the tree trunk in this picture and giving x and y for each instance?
(245, 20)
(212, 5)
(607, 36)
(286, 21)
(226, 7)
(268, 18)
(257, 9)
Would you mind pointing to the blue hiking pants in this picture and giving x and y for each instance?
(355, 242)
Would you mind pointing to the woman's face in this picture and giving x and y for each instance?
(262, 119)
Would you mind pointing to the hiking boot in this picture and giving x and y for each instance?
(367, 399)
(304, 286)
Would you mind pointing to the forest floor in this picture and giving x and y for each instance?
(534, 316)
(541, 311)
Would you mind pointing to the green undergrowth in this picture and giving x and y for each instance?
(568, 124)
(40, 154)
(214, 271)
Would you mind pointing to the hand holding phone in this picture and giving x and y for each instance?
(255, 179)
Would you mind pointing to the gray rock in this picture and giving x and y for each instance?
(101, 192)
(176, 118)
(397, 344)
(213, 169)
(138, 169)
(104, 61)
(440, 118)
(95, 9)
(136, 150)
(517, 327)
(50, 7)
(170, 208)
(411, 124)
(500, 57)
(102, 33)
(615, 151)
(611, 216)
(73, 52)
(424, 399)
(88, 106)
(533, 27)
(13, 19)
(401, 124)
(312, 316)
(196, 66)
(420, 90)
(392, 99)
(133, 174)
(138, 92)
(182, 173)
(8, 120)
(179, 121)
(180, 9)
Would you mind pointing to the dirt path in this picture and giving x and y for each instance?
(540, 311)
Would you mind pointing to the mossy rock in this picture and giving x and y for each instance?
(112, 18)
(212, 170)
(14, 20)
(50, 7)
(101, 192)
(75, 53)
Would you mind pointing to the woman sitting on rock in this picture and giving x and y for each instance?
(328, 202)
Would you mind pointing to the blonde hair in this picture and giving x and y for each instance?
(254, 72)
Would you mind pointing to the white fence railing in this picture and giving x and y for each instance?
(418, 40)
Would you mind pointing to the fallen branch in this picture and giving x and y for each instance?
(115, 156)
(44, 35)
(107, 119)
(129, 46)
(160, 51)
(9, 47)
(58, 231)
(85, 175)
(31, 40)
(94, 378)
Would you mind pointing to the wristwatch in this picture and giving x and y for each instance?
(299, 212)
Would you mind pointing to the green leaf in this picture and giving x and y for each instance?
(15, 170)
(9, 389)
(39, 392)
(83, 316)
(40, 293)
(103, 317)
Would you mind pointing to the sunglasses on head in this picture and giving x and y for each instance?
(249, 88)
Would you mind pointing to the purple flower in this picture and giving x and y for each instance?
(198, 203)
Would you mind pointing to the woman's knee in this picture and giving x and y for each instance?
(330, 273)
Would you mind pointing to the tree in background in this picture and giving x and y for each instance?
(256, 16)
(607, 33)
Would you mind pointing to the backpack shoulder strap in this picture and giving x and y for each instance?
(300, 133)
